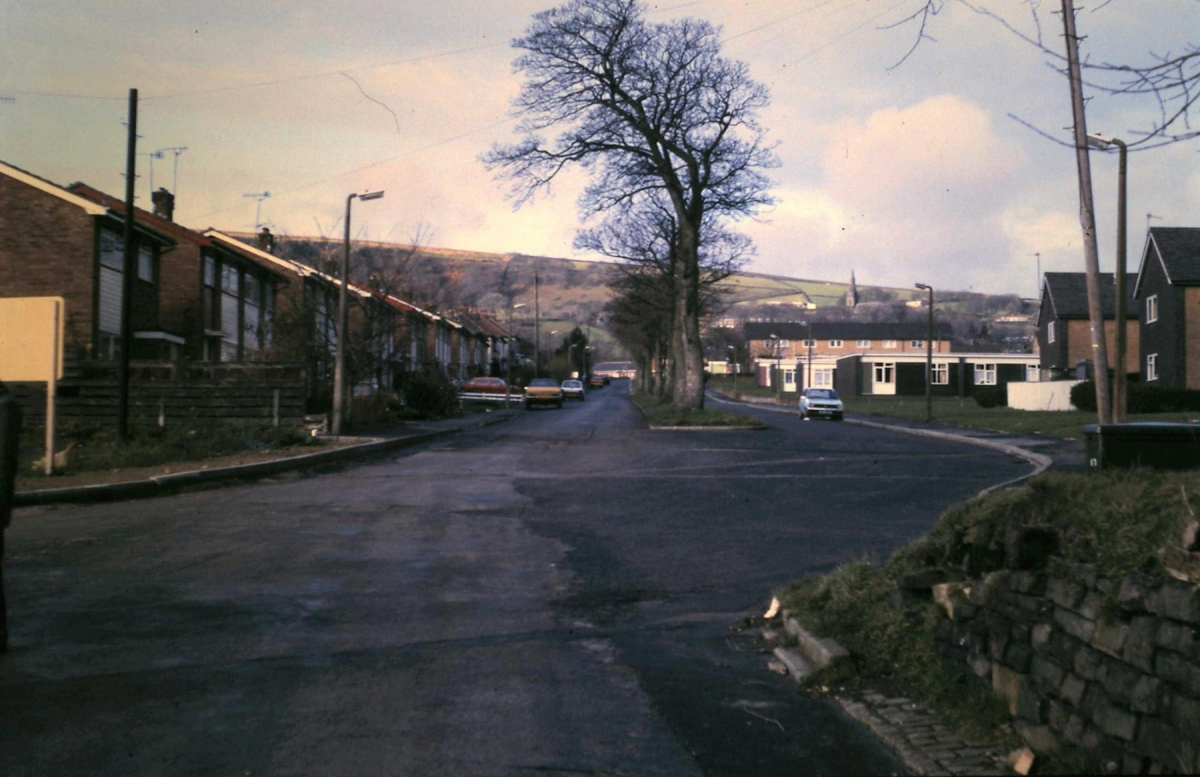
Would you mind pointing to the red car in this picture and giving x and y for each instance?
(597, 381)
(484, 386)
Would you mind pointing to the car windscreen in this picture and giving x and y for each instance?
(822, 394)
(543, 382)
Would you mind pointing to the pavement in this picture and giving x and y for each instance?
(570, 592)
(370, 442)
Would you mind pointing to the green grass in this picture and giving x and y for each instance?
(966, 412)
(659, 413)
(97, 448)
(745, 388)
(1117, 520)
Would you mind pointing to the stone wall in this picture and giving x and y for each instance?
(1108, 666)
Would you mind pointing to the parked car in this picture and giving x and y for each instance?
(821, 403)
(573, 389)
(597, 381)
(485, 386)
(543, 391)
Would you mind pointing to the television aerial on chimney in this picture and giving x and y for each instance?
(260, 196)
(160, 154)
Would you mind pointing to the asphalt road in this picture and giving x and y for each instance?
(555, 595)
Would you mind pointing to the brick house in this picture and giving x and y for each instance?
(841, 338)
(70, 246)
(218, 298)
(1168, 290)
(1064, 330)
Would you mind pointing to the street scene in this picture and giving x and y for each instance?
(562, 592)
(604, 387)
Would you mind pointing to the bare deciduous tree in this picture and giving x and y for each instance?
(647, 109)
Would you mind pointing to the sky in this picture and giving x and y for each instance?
(904, 170)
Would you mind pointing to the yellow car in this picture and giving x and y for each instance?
(543, 391)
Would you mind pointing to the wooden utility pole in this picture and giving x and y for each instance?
(129, 269)
(1087, 218)
(537, 327)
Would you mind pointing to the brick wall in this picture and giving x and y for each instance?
(47, 249)
(1191, 328)
(1079, 343)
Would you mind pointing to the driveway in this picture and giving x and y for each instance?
(559, 594)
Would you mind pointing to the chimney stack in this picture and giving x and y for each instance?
(266, 241)
(164, 204)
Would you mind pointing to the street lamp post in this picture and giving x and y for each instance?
(1119, 388)
(808, 341)
(339, 368)
(928, 356)
(509, 360)
(777, 377)
(735, 368)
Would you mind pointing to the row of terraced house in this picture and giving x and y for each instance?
(213, 309)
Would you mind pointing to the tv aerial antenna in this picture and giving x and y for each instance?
(259, 196)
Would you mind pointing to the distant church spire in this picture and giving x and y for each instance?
(852, 292)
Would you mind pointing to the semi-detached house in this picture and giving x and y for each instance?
(1168, 289)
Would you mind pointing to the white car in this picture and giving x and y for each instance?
(820, 403)
(573, 389)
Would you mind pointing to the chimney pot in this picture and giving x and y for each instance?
(266, 241)
(164, 204)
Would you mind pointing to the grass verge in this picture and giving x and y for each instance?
(966, 412)
(660, 413)
(97, 448)
(1117, 521)
(745, 387)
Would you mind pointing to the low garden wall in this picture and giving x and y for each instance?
(1044, 395)
(1110, 666)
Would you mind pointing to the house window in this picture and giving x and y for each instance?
(1050, 333)
(1033, 373)
(789, 377)
(985, 374)
(809, 343)
(252, 317)
(783, 344)
(1151, 308)
(145, 264)
(863, 344)
(835, 343)
(1151, 366)
(823, 377)
(941, 374)
(889, 343)
(917, 344)
(230, 293)
(885, 372)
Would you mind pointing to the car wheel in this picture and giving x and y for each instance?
(559, 404)
(837, 418)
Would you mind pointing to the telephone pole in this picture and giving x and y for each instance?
(129, 267)
(1087, 218)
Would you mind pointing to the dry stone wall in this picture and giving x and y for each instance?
(1110, 667)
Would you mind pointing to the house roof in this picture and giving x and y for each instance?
(41, 184)
(1068, 294)
(1179, 250)
(279, 264)
(846, 330)
(144, 217)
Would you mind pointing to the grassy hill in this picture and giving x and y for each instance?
(574, 292)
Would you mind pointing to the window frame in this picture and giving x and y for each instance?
(836, 343)
(889, 343)
(1151, 367)
(989, 372)
(941, 369)
(1152, 309)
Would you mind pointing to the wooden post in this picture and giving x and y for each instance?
(51, 390)
(275, 408)
(162, 412)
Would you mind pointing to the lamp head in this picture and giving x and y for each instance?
(1102, 142)
(371, 195)
(924, 287)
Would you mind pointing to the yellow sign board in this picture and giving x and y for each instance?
(31, 338)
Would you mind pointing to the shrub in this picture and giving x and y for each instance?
(1083, 395)
(431, 396)
(996, 396)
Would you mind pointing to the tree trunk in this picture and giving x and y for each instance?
(689, 357)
